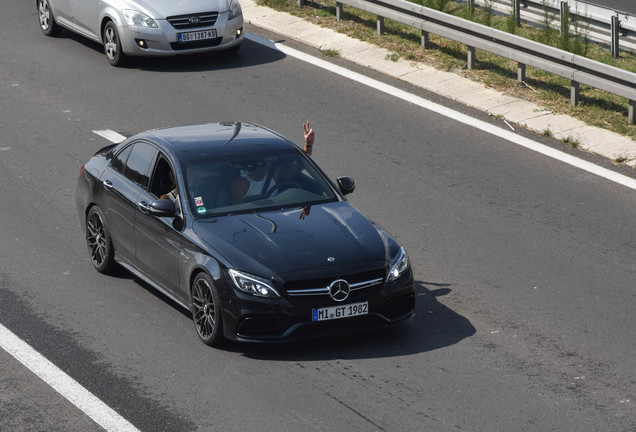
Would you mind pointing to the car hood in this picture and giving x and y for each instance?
(160, 9)
(272, 243)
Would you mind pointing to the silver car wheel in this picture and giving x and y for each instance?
(46, 17)
(45, 14)
(110, 44)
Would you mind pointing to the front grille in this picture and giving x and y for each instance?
(361, 284)
(178, 46)
(190, 21)
(325, 290)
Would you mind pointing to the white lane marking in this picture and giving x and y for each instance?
(97, 410)
(110, 135)
(447, 112)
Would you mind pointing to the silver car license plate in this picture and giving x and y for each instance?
(337, 312)
(197, 36)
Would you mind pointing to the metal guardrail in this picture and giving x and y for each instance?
(578, 69)
(593, 22)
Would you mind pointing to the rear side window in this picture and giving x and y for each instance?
(119, 162)
(138, 163)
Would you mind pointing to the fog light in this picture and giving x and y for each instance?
(142, 43)
(239, 32)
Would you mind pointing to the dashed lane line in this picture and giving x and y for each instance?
(110, 135)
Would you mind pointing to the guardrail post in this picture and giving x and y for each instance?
(575, 88)
(425, 39)
(339, 11)
(516, 10)
(470, 61)
(565, 12)
(615, 36)
(630, 112)
(521, 72)
(380, 25)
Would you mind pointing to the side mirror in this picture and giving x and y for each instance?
(162, 208)
(346, 185)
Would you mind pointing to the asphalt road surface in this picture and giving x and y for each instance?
(628, 6)
(524, 265)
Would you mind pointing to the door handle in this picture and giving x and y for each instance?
(108, 185)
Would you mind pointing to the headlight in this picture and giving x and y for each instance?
(234, 9)
(399, 265)
(137, 19)
(253, 285)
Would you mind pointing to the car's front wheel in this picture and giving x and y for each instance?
(112, 45)
(206, 310)
(100, 246)
(47, 20)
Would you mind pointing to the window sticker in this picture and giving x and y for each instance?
(201, 210)
(198, 201)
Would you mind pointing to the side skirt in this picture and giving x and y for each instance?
(141, 276)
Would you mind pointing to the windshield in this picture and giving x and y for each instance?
(254, 182)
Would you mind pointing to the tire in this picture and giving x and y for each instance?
(100, 246)
(206, 311)
(47, 20)
(112, 45)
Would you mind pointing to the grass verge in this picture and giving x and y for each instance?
(596, 107)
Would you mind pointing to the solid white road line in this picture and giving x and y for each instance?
(447, 112)
(97, 410)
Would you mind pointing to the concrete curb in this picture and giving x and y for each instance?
(524, 113)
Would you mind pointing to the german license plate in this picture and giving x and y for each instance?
(337, 312)
(197, 36)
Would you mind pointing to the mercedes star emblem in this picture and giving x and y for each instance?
(339, 290)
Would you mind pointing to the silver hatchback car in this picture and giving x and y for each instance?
(147, 27)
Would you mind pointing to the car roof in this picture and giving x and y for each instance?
(217, 139)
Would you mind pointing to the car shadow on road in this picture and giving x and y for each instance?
(435, 326)
(250, 54)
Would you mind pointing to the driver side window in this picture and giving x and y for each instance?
(163, 184)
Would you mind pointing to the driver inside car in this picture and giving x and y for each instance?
(254, 179)
(258, 177)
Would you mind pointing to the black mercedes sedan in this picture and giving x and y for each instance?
(238, 225)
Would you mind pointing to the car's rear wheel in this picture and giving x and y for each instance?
(112, 45)
(206, 310)
(47, 20)
(100, 246)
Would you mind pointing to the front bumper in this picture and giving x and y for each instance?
(163, 41)
(253, 319)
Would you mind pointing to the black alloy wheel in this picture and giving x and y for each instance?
(100, 246)
(206, 310)
(112, 45)
(47, 21)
